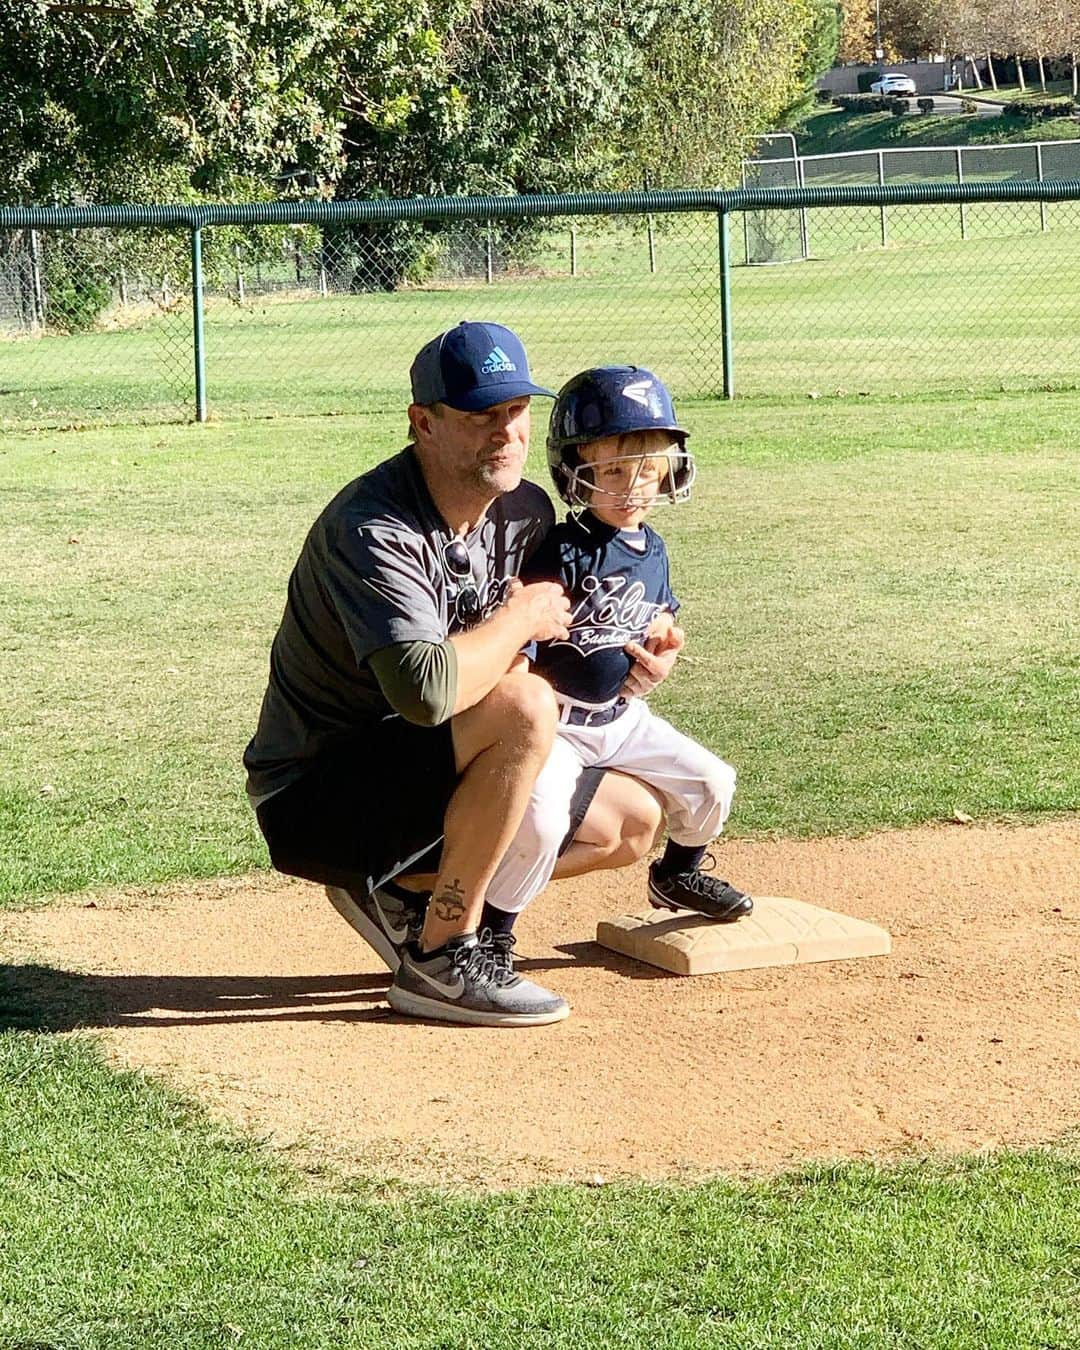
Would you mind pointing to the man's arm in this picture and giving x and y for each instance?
(429, 682)
(535, 612)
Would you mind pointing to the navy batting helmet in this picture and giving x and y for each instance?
(613, 401)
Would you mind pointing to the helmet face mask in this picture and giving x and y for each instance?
(579, 489)
(616, 402)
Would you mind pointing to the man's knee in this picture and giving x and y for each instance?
(525, 704)
(518, 715)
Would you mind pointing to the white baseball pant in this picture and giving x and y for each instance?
(695, 787)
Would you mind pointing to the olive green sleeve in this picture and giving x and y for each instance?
(418, 679)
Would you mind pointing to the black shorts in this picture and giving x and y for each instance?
(372, 808)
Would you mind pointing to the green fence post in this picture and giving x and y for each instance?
(960, 180)
(724, 222)
(197, 323)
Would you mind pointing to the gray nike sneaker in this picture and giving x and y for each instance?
(464, 983)
(501, 947)
(386, 919)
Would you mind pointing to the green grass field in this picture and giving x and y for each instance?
(883, 602)
(128, 1222)
(882, 597)
(832, 131)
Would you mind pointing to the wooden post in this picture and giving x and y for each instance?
(573, 250)
(239, 275)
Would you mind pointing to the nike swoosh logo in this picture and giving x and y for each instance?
(454, 990)
(391, 929)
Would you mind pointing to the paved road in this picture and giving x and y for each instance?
(950, 103)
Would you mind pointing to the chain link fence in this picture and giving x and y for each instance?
(782, 237)
(318, 308)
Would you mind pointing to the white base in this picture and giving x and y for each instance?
(779, 932)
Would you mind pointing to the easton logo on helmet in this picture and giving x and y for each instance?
(638, 392)
(497, 362)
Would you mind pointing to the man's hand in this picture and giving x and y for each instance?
(541, 607)
(653, 662)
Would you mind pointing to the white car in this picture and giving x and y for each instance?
(893, 83)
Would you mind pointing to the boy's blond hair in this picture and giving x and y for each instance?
(648, 444)
(652, 446)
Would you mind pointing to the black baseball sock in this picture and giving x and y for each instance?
(679, 858)
(440, 949)
(498, 920)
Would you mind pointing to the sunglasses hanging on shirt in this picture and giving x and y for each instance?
(467, 607)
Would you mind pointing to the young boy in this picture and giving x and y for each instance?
(615, 451)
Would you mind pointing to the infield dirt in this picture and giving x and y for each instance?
(253, 995)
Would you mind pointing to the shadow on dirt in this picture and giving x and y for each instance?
(43, 998)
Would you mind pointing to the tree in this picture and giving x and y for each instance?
(917, 27)
(819, 54)
(151, 99)
(717, 74)
(212, 93)
(557, 95)
(1058, 34)
(858, 31)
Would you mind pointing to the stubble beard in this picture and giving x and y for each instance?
(498, 479)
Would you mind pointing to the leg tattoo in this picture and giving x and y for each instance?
(449, 904)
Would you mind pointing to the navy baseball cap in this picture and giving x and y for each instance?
(473, 367)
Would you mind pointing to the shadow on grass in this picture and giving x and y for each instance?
(43, 998)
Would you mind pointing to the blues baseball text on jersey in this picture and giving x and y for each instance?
(618, 582)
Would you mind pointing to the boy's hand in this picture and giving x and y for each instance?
(659, 629)
(653, 662)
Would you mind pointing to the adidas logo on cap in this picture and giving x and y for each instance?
(497, 362)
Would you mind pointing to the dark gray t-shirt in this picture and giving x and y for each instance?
(371, 574)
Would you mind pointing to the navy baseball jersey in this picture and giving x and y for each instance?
(618, 582)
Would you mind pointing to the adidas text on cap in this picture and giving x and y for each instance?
(472, 367)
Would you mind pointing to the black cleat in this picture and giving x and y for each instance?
(698, 892)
